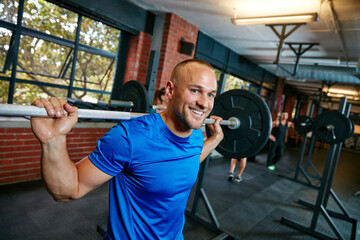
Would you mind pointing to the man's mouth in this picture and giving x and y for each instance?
(197, 112)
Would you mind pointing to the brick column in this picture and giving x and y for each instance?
(138, 58)
(175, 28)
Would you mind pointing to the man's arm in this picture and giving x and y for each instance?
(274, 124)
(64, 180)
(216, 137)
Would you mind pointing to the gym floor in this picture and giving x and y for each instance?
(248, 210)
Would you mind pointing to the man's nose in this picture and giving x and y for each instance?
(203, 101)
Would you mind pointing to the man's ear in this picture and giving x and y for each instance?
(169, 90)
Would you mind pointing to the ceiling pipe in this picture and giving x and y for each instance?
(338, 30)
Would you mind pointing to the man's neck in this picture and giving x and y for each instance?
(174, 125)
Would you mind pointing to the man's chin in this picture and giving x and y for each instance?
(197, 124)
(197, 127)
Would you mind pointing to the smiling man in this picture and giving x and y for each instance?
(151, 161)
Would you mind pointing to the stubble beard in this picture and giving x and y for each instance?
(188, 121)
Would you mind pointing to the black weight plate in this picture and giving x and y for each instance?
(255, 123)
(341, 124)
(135, 92)
(303, 124)
(351, 131)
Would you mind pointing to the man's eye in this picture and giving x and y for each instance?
(210, 95)
(195, 91)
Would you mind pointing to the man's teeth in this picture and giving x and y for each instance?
(197, 112)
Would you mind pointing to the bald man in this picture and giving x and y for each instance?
(152, 161)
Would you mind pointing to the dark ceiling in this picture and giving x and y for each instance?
(328, 68)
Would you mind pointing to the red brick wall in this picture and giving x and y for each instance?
(20, 151)
(175, 28)
(303, 109)
(278, 92)
(138, 57)
(289, 105)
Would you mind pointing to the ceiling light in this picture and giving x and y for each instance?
(284, 19)
(342, 91)
(337, 95)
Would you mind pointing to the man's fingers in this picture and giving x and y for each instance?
(48, 106)
(58, 108)
(38, 103)
(217, 119)
(71, 110)
(54, 106)
(63, 104)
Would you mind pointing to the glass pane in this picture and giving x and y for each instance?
(90, 97)
(42, 61)
(217, 74)
(98, 35)
(27, 93)
(253, 88)
(4, 91)
(233, 82)
(94, 72)
(50, 18)
(8, 10)
(5, 36)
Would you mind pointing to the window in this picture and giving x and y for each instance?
(46, 51)
(4, 91)
(217, 74)
(27, 93)
(42, 61)
(5, 36)
(233, 82)
(98, 35)
(8, 10)
(50, 19)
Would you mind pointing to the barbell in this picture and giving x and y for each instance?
(246, 127)
(33, 111)
(330, 127)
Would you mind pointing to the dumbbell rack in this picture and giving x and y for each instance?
(320, 207)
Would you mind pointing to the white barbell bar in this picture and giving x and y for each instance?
(33, 111)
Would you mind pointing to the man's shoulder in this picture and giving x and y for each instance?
(145, 126)
(144, 120)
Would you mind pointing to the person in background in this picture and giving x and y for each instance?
(242, 166)
(160, 101)
(277, 140)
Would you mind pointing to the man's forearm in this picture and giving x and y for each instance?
(209, 145)
(58, 171)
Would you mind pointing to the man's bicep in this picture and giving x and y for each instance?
(89, 176)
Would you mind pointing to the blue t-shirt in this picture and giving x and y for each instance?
(154, 171)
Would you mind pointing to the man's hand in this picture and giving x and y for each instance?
(216, 129)
(62, 117)
(211, 142)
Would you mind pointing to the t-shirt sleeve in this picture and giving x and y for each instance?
(113, 151)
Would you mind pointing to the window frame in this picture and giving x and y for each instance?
(11, 60)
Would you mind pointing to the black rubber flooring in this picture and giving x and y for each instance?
(252, 209)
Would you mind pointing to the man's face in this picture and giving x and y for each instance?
(284, 116)
(194, 93)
